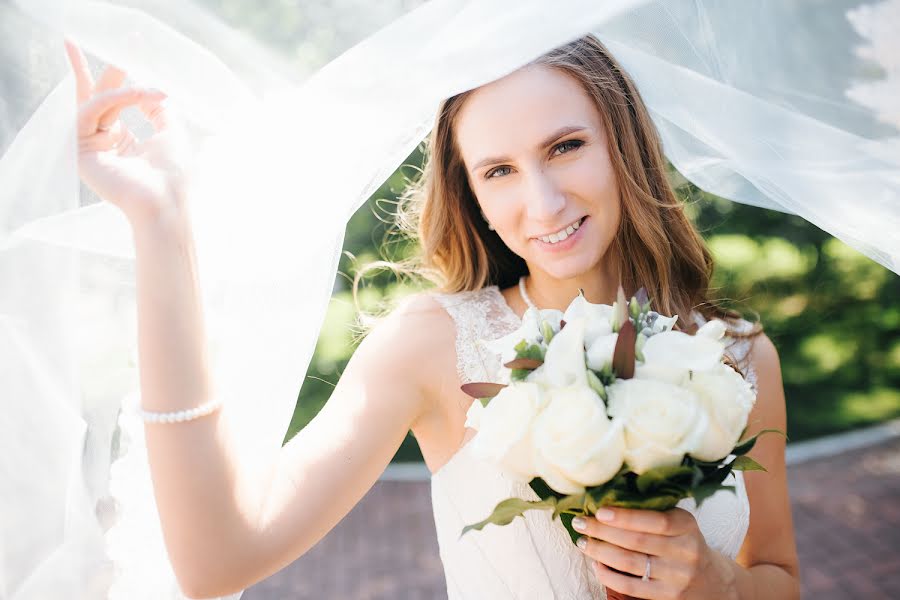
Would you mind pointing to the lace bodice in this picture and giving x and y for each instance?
(532, 557)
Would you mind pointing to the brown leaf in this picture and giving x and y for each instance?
(623, 355)
(482, 389)
(523, 363)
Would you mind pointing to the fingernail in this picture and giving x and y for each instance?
(604, 514)
(579, 524)
(581, 542)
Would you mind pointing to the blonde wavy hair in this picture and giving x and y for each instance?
(657, 245)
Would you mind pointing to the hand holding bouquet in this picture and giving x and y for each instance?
(609, 406)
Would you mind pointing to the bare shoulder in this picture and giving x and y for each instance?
(767, 365)
(418, 326)
(769, 410)
(764, 355)
(416, 340)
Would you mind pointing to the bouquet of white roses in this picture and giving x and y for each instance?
(609, 406)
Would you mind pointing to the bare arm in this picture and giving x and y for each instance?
(229, 523)
(767, 564)
(230, 519)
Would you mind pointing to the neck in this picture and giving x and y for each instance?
(546, 291)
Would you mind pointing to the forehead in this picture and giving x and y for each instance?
(513, 113)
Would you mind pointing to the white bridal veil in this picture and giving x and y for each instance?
(785, 104)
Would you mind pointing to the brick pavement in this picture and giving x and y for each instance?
(846, 513)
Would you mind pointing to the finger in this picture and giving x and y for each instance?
(111, 78)
(84, 81)
(156, 110)
(638, 541)
(127, 143)
(153, 107)
(621, 558)
(675, 521)
(118, 99)
(628, 585)
(119, 138)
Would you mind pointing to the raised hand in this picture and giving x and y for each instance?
(144, 178)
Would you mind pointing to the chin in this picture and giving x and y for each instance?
(569, 267)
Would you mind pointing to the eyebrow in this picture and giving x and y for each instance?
(544, 143)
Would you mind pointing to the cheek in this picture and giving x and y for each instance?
(503, 210)
(595, 181)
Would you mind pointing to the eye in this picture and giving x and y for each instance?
(490, 174)
(569, 145)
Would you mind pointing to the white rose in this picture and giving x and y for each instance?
(598, 318)
(728, 399)
(575, 443)
(600, 352)
(663, 422)
(714, 329)
(564, 360)
(675, 349)
(504, 429)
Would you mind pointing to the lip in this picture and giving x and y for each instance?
(564, 245)
(560, 229)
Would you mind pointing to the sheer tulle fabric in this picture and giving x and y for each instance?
(782, 104)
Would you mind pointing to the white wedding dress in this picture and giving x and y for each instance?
(532, 557)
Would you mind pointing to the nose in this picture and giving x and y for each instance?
(544, 199)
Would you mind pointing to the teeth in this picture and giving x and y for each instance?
(559, 236)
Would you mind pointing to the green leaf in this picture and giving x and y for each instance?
(570, 503)
(533, 351)
(678, 476)
(702, 492)
(566, 520)
(624, 499)
(543, 490)
(716, 475)
(519, 374)
(745, 463)
(747, 445)
(509, 509)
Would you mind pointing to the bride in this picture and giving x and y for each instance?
(545, 181)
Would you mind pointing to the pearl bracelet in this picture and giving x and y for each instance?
(179, 416)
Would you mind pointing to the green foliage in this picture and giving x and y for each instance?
(832, 312)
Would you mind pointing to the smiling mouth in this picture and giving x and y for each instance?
(562, 234)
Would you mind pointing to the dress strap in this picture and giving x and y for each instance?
(736, 347)
(478, 315)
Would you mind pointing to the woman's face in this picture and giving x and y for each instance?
(536, 155)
